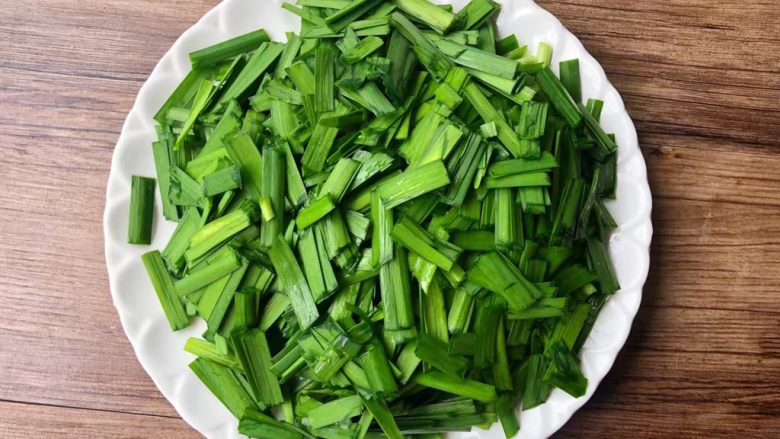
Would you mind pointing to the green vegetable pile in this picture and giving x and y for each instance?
(392, 224)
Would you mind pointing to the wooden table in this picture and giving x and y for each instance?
(701, 80)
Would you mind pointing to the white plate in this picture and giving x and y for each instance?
(160, 351)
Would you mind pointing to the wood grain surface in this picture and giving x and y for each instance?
(701, 79)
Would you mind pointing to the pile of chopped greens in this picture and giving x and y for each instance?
(392, 224)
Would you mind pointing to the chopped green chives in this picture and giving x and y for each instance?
(302, 76)
(543, 309)
(572, 278)
(505, 219)
(358, 226)
(594, 107)
(370, 97)
(266, 209)
(529, 179)
(209, 351)
(289, 53)
(478, 59)
(371, 165)
(447, 96)
(225, 385)
(393, 221)
(375, 27)
(162, 163)
(183, 189)
(559, 97)
(323, 78)
(328, 4)
(494, 272)
(224, 297)
(507, 44)
(533, 119)
(395, 290)
(289, 360)
(505, 86)
(273, 189)
(228, 49)
(427, 53)
(256, 424)
(276, 305)
(362, 49)
(284, 120)
(293, 282)
(377, 368)
(340, 179)
(504, 168)
(475, 13)
(487, 37)
(245, 155)
(599, 262)
(381, 413)
(460, 312)
(444, 140)
(607, 180)
(307, 248)
(474, 240)
(218, 231)
(315, 211)
(501, 373)
(457, 386)
(535, 391)
(245, 304)
(255, 356)
(605, 145)
(260, 61)
(565, 373)
(570, 78)
(165, 290)
(434, 312)
(463, 168)
(402, 64)
(422, 10)
(228, 124)
(278, 90)
(253, 125)
(335, 411)
(413, 183)
(544, 53)
(317, 152)
(173, 253)
(434, 352)
(208, 163)
(486, 324)
(568, 328)
(223, 180)
(566, 217)
(223, 263)
(412, 236)
(183, 93)
(356, 9)
(488, 113)
(465, 37)
(201, 100)
(381, 243)
(343, 119)
(139, 230)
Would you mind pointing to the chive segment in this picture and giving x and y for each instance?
(293, 282)
(139, 229)
(165, 289)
